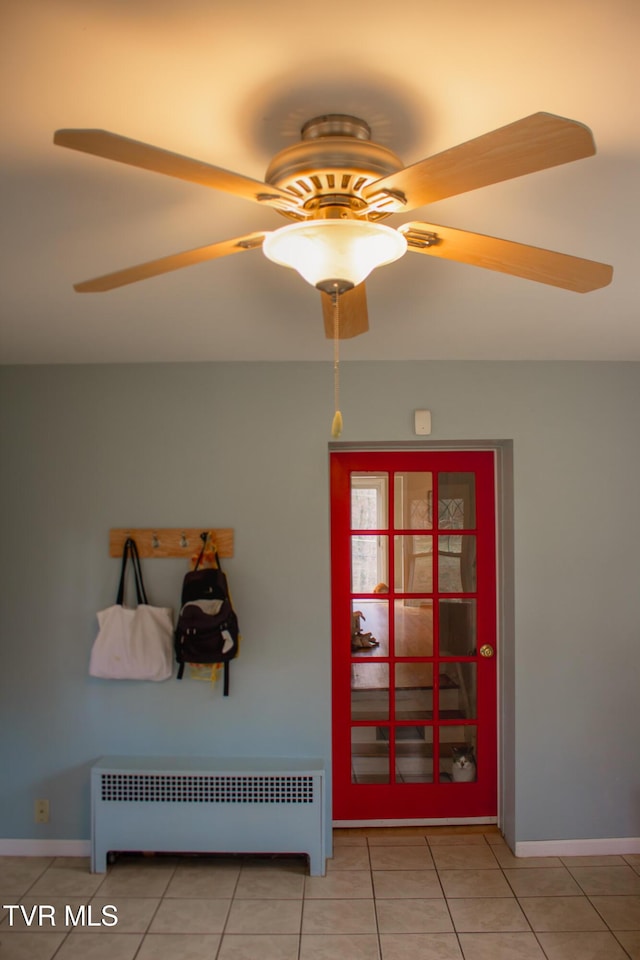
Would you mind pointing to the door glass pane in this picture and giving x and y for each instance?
(413, 563)
(414, 691)
(456, 501)
(457, 564)
(413, 501)
(369, 563)
(457, 628)
(370, 628)
(369, 501)
(369, 691)
(369, 756)
(458, 691)
(414, 754)
(413, 622)
(458, 760)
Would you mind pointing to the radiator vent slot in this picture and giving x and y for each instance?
(184, 788)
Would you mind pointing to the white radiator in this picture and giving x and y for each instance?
(208, 805)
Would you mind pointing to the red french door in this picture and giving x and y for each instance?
(414, 635)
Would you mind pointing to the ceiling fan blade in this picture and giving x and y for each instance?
(534, 143)
(353, 316)
(111, 146)
(506, 256)
(143, 271)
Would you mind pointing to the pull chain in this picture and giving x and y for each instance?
(336, 426)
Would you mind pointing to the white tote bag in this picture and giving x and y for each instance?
(133, 643)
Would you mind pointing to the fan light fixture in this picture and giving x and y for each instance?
(334, 255)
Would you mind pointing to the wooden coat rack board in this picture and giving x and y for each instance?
(178, 542)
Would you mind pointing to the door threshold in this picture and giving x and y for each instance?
(426, 822)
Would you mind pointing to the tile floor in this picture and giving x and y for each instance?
(388, 895)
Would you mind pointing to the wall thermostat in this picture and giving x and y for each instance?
(423, 422)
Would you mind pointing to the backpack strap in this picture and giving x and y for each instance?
(204, 537)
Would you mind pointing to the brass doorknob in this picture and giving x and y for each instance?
(486, 650)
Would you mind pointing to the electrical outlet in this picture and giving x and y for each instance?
(42, 811)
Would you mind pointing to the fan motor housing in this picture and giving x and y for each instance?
(331, 166)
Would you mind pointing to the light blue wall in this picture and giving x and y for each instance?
(88, 448)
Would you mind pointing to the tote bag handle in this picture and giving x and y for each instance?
(131, 550)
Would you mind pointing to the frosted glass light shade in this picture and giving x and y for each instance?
(322, 250)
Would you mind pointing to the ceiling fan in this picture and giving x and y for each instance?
(336, 184)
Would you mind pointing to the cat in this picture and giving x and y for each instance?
(464, 767)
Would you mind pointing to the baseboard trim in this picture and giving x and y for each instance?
(448, 822)
(600, 847)
(45, 848)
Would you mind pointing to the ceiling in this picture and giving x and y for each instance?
(231, 82)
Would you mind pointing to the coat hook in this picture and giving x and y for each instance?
(155, 543)
(204, 536)
(184, 543)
